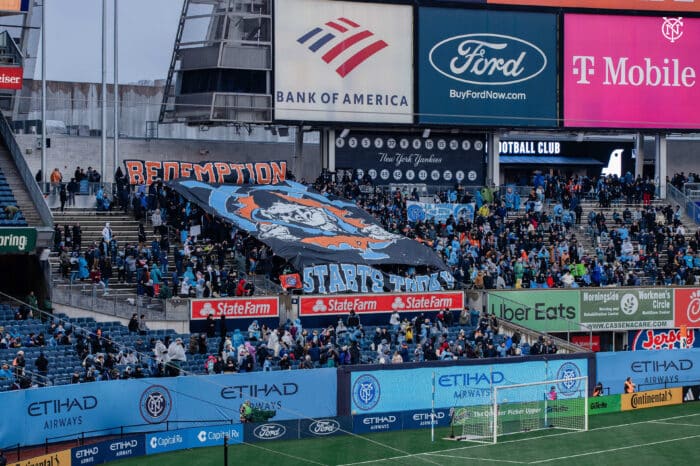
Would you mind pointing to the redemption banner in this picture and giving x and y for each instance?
(343, 61)
(306, 227)
(487, 68)
(313, 306)
(623, 309)
(422, 211)
(148, 171)
(395, 158)
(631, 71)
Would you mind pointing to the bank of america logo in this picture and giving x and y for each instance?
(339, 36)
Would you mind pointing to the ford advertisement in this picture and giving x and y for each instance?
(631, 72)
(487, 68)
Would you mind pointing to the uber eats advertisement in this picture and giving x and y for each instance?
(590, 309)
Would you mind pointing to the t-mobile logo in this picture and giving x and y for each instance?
(583, 67)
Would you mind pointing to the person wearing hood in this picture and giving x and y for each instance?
(254, 331)
(237, 339)
(156, 278)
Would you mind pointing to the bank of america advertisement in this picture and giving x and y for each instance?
(487, 68)
(343, 61)
(631, 72)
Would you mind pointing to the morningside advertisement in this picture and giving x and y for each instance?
(631, 72)
(343, 61)
(490, 68)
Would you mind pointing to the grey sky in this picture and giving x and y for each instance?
(74, 39)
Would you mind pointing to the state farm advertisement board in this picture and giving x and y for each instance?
(234, 308)
(343, 61)
(11, 77)
(631, 72)
(311, 306)
(687, 307)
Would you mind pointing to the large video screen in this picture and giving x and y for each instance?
(631, 72)
(343, 62)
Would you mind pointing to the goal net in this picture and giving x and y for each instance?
(549, 404)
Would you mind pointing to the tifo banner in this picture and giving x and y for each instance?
(634, 5)
(338, 278)
(622, 309)
(328, 56)
(631, 71)
(60, 458)
(652, 399)
(194, 437)
(404, 158)
(687, 307)
(306, 227)
(384, 391)
(543, 311)
(663, 339)
(235, 308)
(102, 408)
(17, 240)
(487, 68)
(11, 77)
(310, 306)
(109, 450)
(148, 171)
(604, 404)
(648, 369)
(423, 211)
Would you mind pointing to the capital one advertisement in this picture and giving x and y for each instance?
(343, 61)
(631, 72)
(487, 68)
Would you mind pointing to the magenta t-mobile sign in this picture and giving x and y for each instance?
(631, 72)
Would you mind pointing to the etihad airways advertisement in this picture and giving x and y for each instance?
(343, 61)
(631, 72)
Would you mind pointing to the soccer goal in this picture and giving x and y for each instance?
(549, 404)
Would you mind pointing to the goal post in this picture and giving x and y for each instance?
(527, 407)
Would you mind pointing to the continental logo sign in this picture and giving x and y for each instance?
(60, 458)
(652, 399)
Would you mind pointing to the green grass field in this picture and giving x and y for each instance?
(661, 436)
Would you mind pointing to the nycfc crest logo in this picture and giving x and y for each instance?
(155, 404)
(672, 28)
(567, 373)
(366, 392)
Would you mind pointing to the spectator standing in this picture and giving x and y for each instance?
(56, 178)
(63, 196)
(134, 323)
(143, 328)
(42, 366)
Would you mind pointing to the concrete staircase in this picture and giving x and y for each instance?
(19, 189)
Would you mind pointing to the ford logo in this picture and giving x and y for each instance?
(324, 427)
(487, 59)
(269, 431)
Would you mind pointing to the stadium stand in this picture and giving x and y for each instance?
(10, 213)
